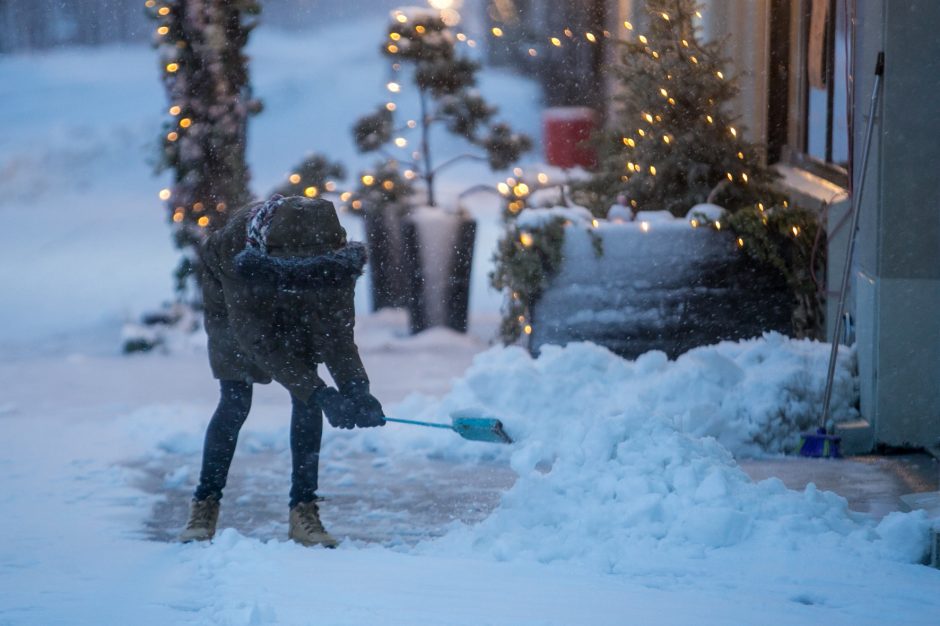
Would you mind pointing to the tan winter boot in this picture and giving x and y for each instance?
(203, 516)
(306, 527)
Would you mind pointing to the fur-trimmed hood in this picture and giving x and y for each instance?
(331, 269)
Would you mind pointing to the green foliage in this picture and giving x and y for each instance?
(673, 138)
(384, 186)
(524, 262)
(786, 238)
(311, 177)
(444, 81)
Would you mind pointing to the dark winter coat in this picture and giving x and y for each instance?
(277, 315)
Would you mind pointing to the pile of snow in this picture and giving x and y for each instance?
(614, 460)
(754, 397)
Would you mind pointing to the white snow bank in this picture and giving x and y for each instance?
(614, 459)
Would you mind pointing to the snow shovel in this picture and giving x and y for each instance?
(470, 427)
(821, 443)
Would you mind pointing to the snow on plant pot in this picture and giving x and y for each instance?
(656, 283)
(438, 252)
(443, 84)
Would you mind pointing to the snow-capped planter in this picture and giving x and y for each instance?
(438, 255)
(655, 283)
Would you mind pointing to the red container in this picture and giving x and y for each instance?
(567, 134)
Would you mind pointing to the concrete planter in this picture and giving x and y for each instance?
(658, 286)
(438, 255)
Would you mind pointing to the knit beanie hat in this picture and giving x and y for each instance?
(295, 226)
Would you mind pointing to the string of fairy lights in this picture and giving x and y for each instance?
(516, 189)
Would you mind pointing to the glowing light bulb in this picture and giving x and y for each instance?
(796, 231)
(733, 131)
(401, 142)
(590, 37)
(178, 217)
(388, 185)
(527, 329)
(392, 48)
(164, 194)
(720, 75)
(367, 180)
(556, 42)
(628, 25)
(394, 36)
(172, 67)
(163, 11)
(393, 87)
(543, 178)
(203, 221)
(653, 170)
(311, 192)
(294, 178)
(391, 106)
(520, 190)
(186, 122)
(664, 93)
(526, 239)
(497, 31)
(503, 188)
(740, 242)
(648, 117)
(345, 196)
(163, 30)
(645, 227)
(710, 119)
(175, 110)
(643, 39)
(172, 136)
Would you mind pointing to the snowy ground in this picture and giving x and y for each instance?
(620, 503)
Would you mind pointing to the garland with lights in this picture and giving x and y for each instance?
(672, 139)
(523, 264)
(205, 75)
(445, 81)
(786, 238)
(312, 177)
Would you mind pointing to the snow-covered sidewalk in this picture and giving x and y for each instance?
(95, 476)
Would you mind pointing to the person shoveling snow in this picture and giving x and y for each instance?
(278, 283)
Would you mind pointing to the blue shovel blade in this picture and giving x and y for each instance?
(488, 429)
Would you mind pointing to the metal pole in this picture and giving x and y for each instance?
(847, 272)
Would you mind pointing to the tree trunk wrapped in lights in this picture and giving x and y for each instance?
(672, 137)
(205, 74)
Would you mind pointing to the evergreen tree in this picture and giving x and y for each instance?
(205, 74)
(672, 138)
(445, 83)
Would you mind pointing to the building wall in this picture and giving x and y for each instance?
(898, 260)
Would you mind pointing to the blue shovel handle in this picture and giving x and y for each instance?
(417, 423)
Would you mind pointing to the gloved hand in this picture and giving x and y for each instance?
(336, 408)
(351, 408)
(367, 409)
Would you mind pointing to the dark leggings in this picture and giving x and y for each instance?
(306, 431)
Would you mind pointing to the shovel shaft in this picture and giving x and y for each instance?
(417, 423)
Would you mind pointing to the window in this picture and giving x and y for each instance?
(811, 48)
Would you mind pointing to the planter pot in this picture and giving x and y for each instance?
(438, 254)
(658, 286)
(388, 277)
